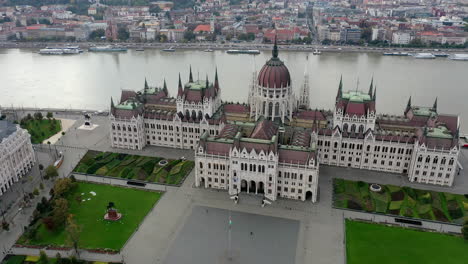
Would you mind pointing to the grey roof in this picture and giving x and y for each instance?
(6, 129)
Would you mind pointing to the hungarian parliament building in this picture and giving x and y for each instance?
(275, 144)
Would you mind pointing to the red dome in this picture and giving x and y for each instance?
(274, 74)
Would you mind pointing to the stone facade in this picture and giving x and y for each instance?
(16, 154)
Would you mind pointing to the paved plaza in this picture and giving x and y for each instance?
(179, 227)
(254, 238)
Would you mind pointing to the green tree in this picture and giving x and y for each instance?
(63, 185)
(49, 115)
(154, 9)
(97, 34)
(44, 21)
(43, 259)
(123, 33)
(465, 230)
(73, 233)
(36, 192)
(31, 21)
(38, 116)
(189, 35)
(58, 259)
(51, 172)
(59, 211)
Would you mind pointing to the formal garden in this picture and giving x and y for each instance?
(75, 216)
(43, 259)
(151, 169)
(40, 128)
(374, 243)
(401, 201)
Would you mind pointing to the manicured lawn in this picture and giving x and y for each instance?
(41, 130)
(374, 243)
(134, 167)
(98, 233)
(404, 201)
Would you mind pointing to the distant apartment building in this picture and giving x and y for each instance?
(378, 34)
(401, 38)
(352, 34)
(16, 154)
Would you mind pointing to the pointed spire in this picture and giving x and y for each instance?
(112, 103)
(165, 86)
(340, 88)
(435, 105)
(375, 94)
(191, 76)
(216, 82)
(207, 83)
(408, 105)
(275, 49)
(371, 86)
(180, 90)
(146, 85)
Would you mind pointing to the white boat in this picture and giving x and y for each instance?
(424, 56)
(61, 50)
(51, 51)
(459, 57)
(107, 48)
(171, 49)
(208, 50)
(317, 52)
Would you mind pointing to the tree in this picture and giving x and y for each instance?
(43, 259)
(60, 211)
(154, 9)
(123, 34)
(51, 171)
(49, 115)
(36, 192)
(465, 230)
(58, 259)
(5, 226)
(73, 233)
(97, 34)
(189, 35)
(38, 116)
(366, 34)
(63, 185)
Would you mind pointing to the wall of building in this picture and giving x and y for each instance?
(16, 158)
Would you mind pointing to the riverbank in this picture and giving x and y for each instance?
(219, 46)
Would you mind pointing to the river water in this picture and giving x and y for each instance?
(89, 80)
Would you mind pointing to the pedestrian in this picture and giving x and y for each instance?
(251, 233)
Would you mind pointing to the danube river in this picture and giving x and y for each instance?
(89, 80)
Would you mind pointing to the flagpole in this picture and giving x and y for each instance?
(229, 237)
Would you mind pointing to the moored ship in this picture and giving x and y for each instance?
(459, 57)
(107, 48)
(424, 56)
(233, 51)
(60, 50)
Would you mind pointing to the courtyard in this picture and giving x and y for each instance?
(151, 169)
(254, 238)
(87, 203)
(375, 243)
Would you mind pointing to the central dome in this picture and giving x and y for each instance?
(274, 74)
